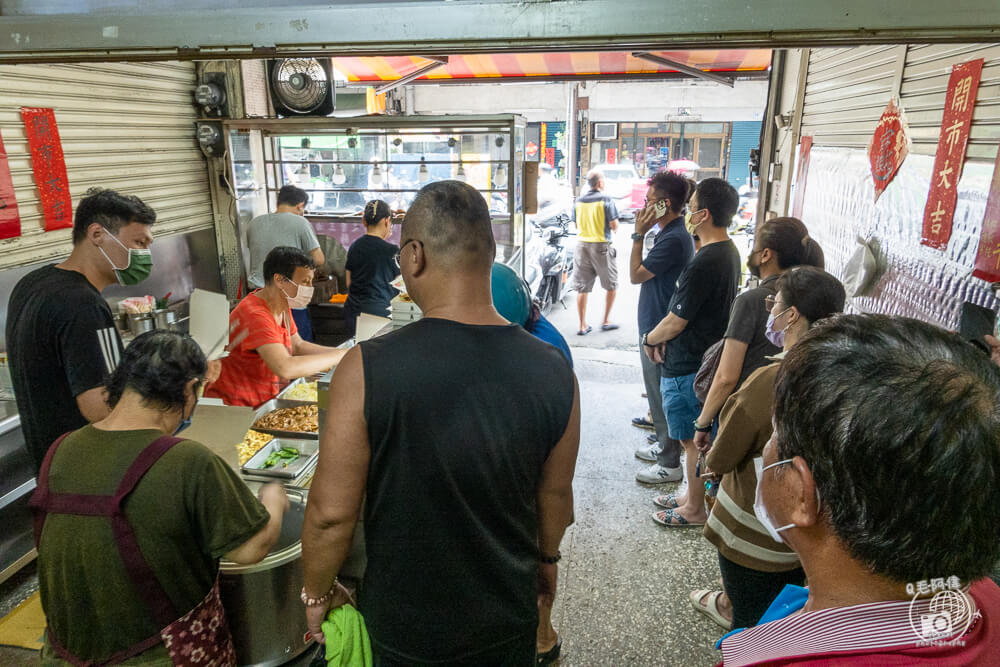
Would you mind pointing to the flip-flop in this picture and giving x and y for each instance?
(549, 656)
(672, 519)
(667, 501)
(584, 332)
(710, 607)
(608, 327)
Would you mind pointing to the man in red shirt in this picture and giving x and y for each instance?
(265, 349)
(882, 476)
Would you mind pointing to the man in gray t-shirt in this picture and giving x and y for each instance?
(284, 227)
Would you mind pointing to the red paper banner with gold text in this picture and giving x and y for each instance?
(988, 256)
(958, 105)
(10, 219)
(889, 147)
(49, 166)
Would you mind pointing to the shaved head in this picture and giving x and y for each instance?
(452, 220)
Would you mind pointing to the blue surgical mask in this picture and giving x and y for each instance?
(183, 425)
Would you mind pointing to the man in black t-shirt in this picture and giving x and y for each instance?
(61, 337)
(699, 313)
(467, 487)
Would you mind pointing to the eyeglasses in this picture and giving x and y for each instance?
(769, 302)
(647, 201)
(403, 245)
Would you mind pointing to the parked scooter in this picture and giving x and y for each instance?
(554, 261)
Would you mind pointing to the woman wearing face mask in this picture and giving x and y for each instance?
(780, 244)
(182, 509)
(265, 348)
(371, 266)
(755, 567)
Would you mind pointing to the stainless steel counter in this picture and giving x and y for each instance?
(17, 545)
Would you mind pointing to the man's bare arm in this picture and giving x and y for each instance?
(555, 493)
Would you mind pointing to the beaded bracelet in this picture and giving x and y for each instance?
(321, 600)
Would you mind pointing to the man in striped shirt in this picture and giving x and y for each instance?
(882, 475)
(61, 337)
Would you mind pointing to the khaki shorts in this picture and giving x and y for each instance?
(594, 260)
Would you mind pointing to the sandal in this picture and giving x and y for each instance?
(670, 518)
(668, 501)
(710, 606)
(584, 332)
(549, 656)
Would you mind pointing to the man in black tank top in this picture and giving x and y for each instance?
(462, 429)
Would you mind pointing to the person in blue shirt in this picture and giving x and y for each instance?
(512, 300)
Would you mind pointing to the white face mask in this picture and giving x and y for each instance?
(758, 504)
(303, 295)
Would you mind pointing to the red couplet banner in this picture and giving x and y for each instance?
(950, 157)
(801, 174)
(988, 256)
(10, 219)
(49, 166)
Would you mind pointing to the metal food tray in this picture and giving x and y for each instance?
(293, 383)
(277, 404)
(308, 450)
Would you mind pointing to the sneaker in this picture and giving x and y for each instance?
(657, 474)
(648, 453)
(642, 422)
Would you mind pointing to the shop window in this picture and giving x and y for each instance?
(709, 153)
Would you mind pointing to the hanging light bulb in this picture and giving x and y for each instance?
(423, 175)
(376, 175)
(500, 178)
(338, 176)
(460, 174)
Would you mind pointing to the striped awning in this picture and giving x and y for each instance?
(547, 65)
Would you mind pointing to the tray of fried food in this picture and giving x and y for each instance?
(252, 443)
(289, 419)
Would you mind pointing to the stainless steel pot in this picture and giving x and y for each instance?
(164, 318)
(265, 615)
(140, 323)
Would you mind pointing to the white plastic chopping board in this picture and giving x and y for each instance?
(209, 324)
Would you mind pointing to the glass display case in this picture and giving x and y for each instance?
(345, 162)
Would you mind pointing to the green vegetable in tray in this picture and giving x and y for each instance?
(285, 456)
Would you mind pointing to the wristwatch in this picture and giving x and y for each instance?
(550, 560)
(702, 429)
(644, 340)
(637, 237)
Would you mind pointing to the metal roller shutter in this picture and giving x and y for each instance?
(925, 82)
(846, 92)
(746, 137)
(128, 127)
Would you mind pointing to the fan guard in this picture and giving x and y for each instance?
(301, 84)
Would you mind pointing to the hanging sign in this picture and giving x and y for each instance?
(10, 220)
(988, 256)
(805, 148)
(49, 166)
(950, 157)
(888, 148)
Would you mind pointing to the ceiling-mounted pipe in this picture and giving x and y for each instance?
(415, 74)
(681, 67)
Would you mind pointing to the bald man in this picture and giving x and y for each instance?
(469, 485)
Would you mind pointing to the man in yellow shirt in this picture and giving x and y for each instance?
(596, 217)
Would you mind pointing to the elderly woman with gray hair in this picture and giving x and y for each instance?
(131, 522)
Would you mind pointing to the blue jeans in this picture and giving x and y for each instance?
(680, 405)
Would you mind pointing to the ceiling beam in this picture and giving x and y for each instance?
(681, 67)
(166, 30)
(415, 74)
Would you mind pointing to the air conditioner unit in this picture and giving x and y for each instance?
(605, 131)
(301, 86)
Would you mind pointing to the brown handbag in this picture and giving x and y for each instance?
(706, 372)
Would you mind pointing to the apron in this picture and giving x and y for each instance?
(198, 637)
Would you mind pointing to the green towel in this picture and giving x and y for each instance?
(347, 643)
